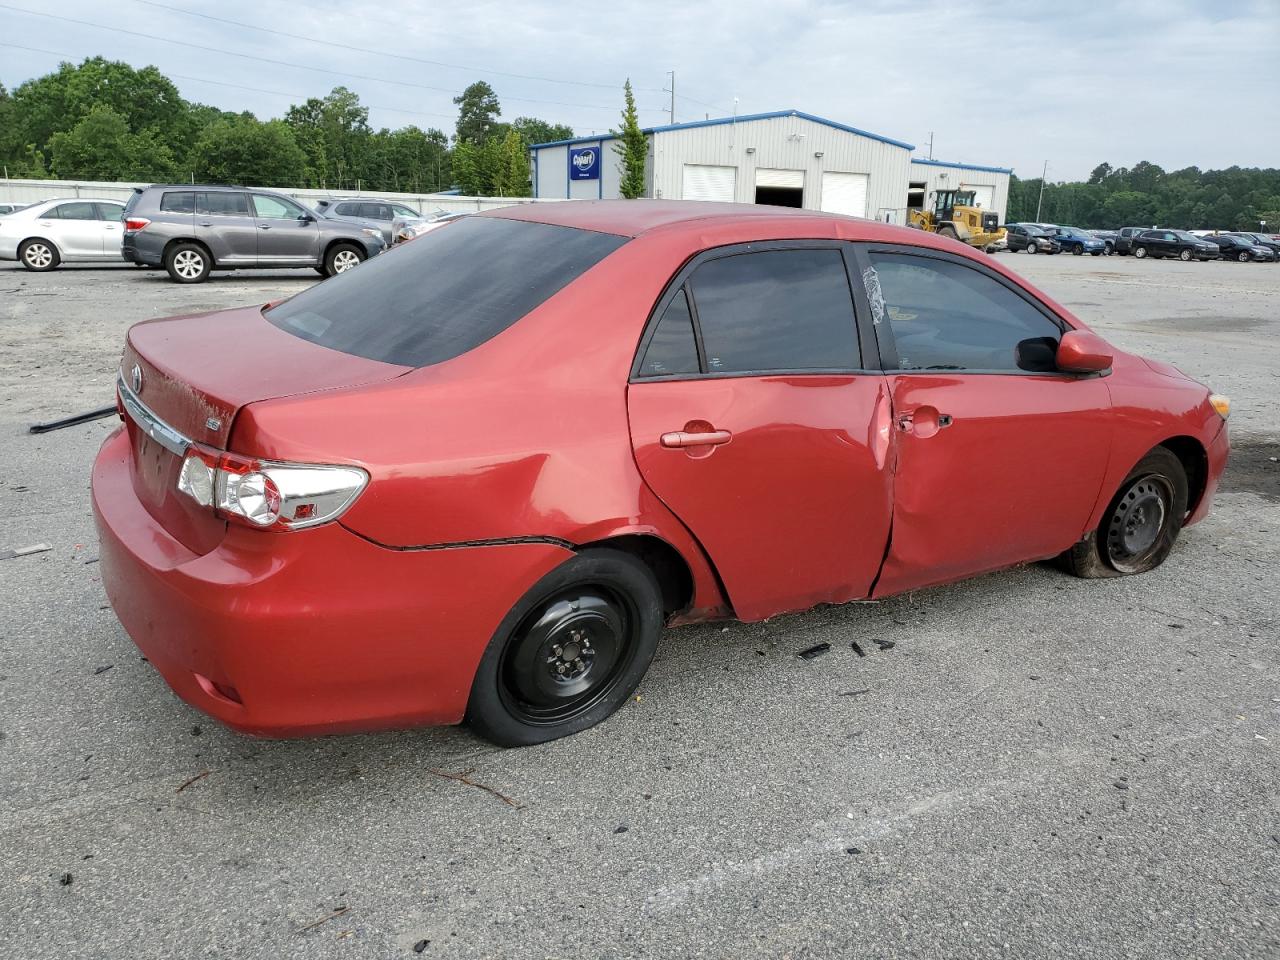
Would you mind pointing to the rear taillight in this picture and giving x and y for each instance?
(267, 494)
(134, 224)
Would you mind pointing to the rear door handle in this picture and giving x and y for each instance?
(206, 223)
(682, 438)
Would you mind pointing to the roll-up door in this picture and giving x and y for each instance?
(706, 182)
(791, 179)
(845, 193)
(984, 195)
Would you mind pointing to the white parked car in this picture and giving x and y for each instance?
(57, 231)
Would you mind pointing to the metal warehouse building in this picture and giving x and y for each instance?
(786, 158)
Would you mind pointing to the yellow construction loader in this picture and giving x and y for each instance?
(954, 215)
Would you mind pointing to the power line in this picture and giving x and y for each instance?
(285, 63)
(386, 53)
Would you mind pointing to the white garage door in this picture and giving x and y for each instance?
(791, 179)
(845, 193)
(704, 182)
(984, 195)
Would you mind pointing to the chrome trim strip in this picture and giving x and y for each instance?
(148, 422)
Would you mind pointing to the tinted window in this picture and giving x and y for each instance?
(776, 310)
(946, 316)
(276, 208)
(111, 212)
(223, 204)
(446, 292)
(672, 349)
(183, 201)
(74, 211)
(375, 211)
(347, 209)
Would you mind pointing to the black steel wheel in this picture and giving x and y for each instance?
(1141, 524)
(570, 653)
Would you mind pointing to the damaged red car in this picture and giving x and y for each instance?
(475, 477)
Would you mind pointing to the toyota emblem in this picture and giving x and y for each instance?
(136, 376)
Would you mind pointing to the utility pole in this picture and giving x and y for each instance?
(671, 113)
(1041, 200)
(930, 144)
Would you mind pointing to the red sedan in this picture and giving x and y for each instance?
(475, 477)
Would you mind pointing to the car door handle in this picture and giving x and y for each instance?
(206, 223)
(683, 438)
(927, 424)
(264, 226)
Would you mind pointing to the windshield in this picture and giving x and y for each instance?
(1183, 235)
(445, 292)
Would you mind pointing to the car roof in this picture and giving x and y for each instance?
(632, 218)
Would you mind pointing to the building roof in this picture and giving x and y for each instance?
(960, 166)
(746, 118)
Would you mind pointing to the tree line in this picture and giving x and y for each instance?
(1237, 198)
(104, 120)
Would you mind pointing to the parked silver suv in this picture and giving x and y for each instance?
(370, 212)
(190, 230)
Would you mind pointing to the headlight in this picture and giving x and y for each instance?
(372, 233)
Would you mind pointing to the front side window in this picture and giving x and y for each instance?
(446, 292)
(672, 349)
(223, 204)
(947, 316)
(402, 211)
(276, 208)
(74, 211)
(776, 310)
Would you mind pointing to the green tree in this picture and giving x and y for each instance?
(334, 134)
(244, 150)
(478, 110)
(100, 147)
(631, 146)
(532, 130)
(512, 179)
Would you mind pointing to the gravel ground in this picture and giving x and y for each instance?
(1020, 765)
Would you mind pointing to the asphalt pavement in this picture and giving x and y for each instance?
(1021, 765)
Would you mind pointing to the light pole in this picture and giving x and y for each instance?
(1041, 200)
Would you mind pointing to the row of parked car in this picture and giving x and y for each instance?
(1142, 242)
(191, 230)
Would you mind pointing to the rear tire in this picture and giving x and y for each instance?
(341, 258)
(570, 653)
(947, 231)
(1141, 524)
(1185, 256)
(187, 263)
(38, 255)
(1140, 253)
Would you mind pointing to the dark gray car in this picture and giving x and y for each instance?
(370, 212)
(190, 230)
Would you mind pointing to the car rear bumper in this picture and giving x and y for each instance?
(318, 631)
(135, 248)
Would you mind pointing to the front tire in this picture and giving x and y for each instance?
(38, 255)
(1031, 248)
(1077, 250)
(187, 263)
(570, 652)
(1141, 524)
(1243, 256)
(341, 258)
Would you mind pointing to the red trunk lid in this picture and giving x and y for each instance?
(195, 373)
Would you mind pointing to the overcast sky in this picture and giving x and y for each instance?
(1176, 82)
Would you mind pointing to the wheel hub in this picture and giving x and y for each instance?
(1137, 523)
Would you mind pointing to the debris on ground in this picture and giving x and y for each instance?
(25, 551)
(857, 649)
(103, 669)
(337, 912)
(884, 644)
(621, 828)
(421, 945)
(465, 777)
(198, 777)
(856, 693)
(817, 650)
(852, 850)
(98, 414)
(65, 879)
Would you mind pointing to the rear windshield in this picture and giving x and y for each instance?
(445, 292)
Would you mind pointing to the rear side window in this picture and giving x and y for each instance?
(112, 212)
(445, 292)
(180, 201)
(672, 349)
(946, 316)
(347, 209)
(223, 204)
(776, 310)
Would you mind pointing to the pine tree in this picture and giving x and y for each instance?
(632, 147)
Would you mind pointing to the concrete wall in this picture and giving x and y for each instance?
(786, 143)
(957, 176)
(30, 191)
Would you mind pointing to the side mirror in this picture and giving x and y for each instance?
(307, 218)
(1080, 351)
